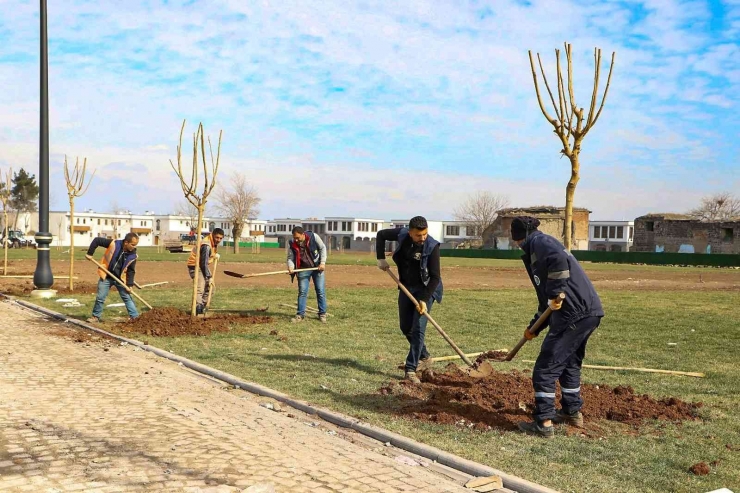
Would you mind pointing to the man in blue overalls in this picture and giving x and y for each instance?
(553, 270)
(417, 258)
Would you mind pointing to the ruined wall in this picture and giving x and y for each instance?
(499, 234)
(656, 234)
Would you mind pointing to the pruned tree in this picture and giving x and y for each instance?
(6, 182)
(479, 211)
(190, 212)
(722, 206)
(190, 187)
(116, 210)
(76, 187)
(239, 203)
(571, 123)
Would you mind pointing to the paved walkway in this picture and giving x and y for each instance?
(100, 417)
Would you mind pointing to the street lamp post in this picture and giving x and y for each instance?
(42, 277)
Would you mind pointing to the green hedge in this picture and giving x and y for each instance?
(249, 245)
(715, 260)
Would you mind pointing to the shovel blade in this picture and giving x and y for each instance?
(481, 370)
(233, 274)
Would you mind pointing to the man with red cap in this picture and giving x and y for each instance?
(553, 270)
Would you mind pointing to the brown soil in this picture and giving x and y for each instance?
(501, 400)
(700, 469)
(492, 355)
(630, 278)
(169, 322)
(23, 287)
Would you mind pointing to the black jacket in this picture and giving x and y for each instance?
(554, 270)
(429, 270)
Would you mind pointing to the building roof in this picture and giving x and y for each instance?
(667, 216)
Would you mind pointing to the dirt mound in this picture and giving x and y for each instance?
(169, 322)
(700, 469)
(501, 400)
(24, 288)
(492, 355)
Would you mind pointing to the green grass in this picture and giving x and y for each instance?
(150, 254)
(342, 364)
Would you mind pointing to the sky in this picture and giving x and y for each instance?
(377, 109)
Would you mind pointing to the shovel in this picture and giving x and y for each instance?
(480, 371)
(244, 276)
(532, 330)
(212, 286)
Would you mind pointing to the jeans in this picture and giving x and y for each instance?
(560, 359)
(319, 283)
(103, 288)
(413, 326)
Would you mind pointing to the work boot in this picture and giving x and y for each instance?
(535, 428)
(322, 318)
(424, 364)
(297, 319)
(93, 320)
(572, 419)
(199, 309)
(131, 320)
(412, 378)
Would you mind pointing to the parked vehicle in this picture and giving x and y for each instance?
(16, 239)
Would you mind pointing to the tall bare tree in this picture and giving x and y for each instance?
(570, 122)
(190, 187)
(479, 211)
(6, 184)
(718, 207)
(238, 202)
(76, 187)
(190, 212)
(116, 210)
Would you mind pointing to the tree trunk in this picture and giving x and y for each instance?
(71, 243)
(570, 192)
(197, 263)
(237, 232)
(5, 243)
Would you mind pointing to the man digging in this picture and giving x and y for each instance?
(208, 254)
(306, 251)
(417, 259)
(553, 270)
(120, 260)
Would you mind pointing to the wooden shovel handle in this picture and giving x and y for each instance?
(212, 287)
(532, 330)
(429, 317)
(131, 291)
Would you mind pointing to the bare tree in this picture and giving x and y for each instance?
(239, 203)
(76, 187)
(6, 183)
(60, 227)
(479, 211)
(718, 207)
(190, 188)
(571, 124)
(190, 212)
(116, 210)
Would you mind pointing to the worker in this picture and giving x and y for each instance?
(120, 260)
(553, 270)
(306, 251)
(417, 259)
(208, 254)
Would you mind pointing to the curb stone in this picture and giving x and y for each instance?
(472, 468)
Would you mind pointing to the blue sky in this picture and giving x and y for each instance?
(380, 109)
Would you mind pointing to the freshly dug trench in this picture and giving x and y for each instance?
(169, 322)
(501, 400)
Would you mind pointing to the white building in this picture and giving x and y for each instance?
(89, 224)
(611, 236)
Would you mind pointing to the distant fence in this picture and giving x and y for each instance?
(243, 244)
(713, 260)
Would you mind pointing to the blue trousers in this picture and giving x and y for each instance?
(319, 283)
(104, 286)
(414, 327)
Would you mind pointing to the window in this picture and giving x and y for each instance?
(98, 221)
(78, 220)
(84, 221)
(612, 231)
(649, 226)
(344, 226)
(453, 231)
(632, 232)
(597, 231)
(375, 227)
(158, 224)
(620, 232)
(106, 222)
(727, 234)
(119, 223)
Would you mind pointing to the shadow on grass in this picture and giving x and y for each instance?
(338, 362)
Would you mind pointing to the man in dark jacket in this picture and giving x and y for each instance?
(208, 254)
(120, 260)
(305, 251)
(553, 270)
(417, 259)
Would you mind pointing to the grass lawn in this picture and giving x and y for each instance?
(342, 364)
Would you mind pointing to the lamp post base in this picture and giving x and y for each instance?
(43, 293)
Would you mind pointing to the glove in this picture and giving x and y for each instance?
(422, 308)
(218, 256)
(383, 264)
(528, 335)
(555, 304)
